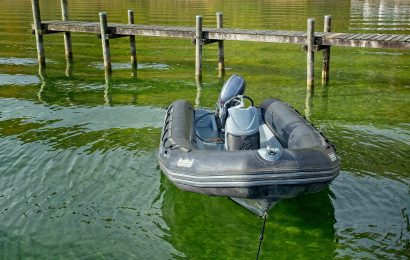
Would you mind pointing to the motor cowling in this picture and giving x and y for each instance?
(242, 129)
(233, 87)
(239, 125)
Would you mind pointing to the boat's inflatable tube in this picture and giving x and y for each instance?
(306, 163)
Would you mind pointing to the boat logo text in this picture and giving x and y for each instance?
(332, 156)
(185, 163)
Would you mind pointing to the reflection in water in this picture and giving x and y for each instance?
(229, 231)
(17, 61)
(107, 89)
(325, 98)
(364, 221)
(41, 70)
(258, 206)
(42, 75)
(121, 66)
(69, 69)
(221, 81)
(18, 79)
(40, 93)
(133, 98)
(309, 103)
(386, 15)
(198, 92)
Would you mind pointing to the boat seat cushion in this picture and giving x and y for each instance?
(291, 129)
(177, 133)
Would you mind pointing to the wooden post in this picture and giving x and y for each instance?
(221, 55)
(326, 52)
(310, 52)
(133, 50)
(198, 47)
(39, 35)
(67, 35)
(105, 42)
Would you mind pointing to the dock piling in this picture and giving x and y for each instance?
(105, 42)
(326, 52)
(322, 41)
(221, 55)
(310, 52)
(67, 35)
(39, 35)
(133, 50)
(198, 47)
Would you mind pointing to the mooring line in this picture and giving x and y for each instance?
(265, 216)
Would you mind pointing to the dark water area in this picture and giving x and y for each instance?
(79, 176)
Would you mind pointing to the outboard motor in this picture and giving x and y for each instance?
(234, 86)
(242, 128)
(240, 124)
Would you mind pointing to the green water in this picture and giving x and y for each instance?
(79, 176)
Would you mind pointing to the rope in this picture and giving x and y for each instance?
(265, 216)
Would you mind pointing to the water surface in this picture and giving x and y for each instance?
(79, 176)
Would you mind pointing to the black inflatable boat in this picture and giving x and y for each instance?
(254, 155)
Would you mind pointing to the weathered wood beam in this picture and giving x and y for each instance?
(367, 43)
(256, 36)
(336, 39)
(43, 31)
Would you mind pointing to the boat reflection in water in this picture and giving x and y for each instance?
(214, 227)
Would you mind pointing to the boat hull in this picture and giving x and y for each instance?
(304, 162)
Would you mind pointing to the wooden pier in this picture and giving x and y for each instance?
(311, 40)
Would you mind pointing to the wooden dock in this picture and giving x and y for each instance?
(382, 41)
(313, 41)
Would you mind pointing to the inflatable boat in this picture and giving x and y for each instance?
(255, 155)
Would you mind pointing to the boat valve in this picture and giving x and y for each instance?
(272, 151)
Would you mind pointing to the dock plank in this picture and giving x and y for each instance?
(387, 41)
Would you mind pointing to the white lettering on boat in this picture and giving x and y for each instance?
(185, 163)
(332, 156)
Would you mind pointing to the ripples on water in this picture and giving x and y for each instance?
(384, 15)
(78, 169)
(157, 66)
